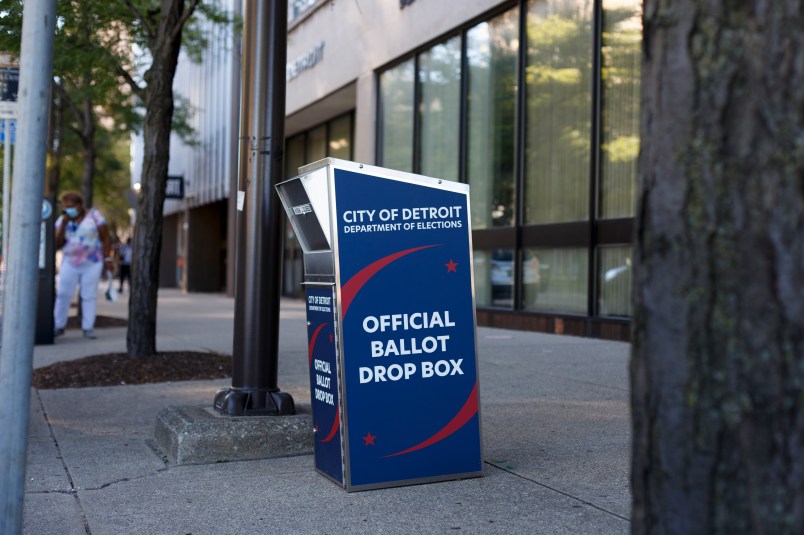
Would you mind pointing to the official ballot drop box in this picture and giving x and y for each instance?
(390, 323)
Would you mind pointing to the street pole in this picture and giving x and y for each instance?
(19, 300)
(6, 184)
(255, 356)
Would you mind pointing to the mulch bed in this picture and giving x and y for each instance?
(101, 322)
(120, 369)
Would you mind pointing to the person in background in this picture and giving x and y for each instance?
(83, 237)
(124, 254)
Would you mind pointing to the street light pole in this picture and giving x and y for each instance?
(19, 305)
(254, 388)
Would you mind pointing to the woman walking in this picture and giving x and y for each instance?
(86, 249)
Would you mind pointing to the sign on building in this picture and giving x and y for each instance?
(175, 187)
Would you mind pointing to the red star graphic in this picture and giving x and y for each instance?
(330, 338)
(451, 266)
(369, 439)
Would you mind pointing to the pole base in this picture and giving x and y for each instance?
(253, 402)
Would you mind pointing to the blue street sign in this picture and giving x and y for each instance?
(13, 124)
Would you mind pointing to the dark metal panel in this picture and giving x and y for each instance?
(496, 238)
(615, 231)
(575, 234)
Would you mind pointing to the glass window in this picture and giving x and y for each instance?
(494, 278)
(555, 280)
(340, 135)
(316, 143)
(620, 93)
(396, 117)
(559, 96)
(440, 79)
(294, 155)
(491, 51)
(615, 281)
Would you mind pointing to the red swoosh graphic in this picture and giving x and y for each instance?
(466, 413)
(335, 425)
(353, 285)
(312, 341)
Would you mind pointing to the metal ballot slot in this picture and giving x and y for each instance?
(391, 323)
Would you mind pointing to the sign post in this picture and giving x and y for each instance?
(46, 291)
(16, 355)
(9, 85)
(391, 324)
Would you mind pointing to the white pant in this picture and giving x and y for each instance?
(87, 275)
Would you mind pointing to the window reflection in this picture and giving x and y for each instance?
(555, 279)
(339, 139)
(550, 123)
(491, 53)
(440, 80)
(620, 93)
(558, 78)
(494, 277)
(614, 297)
(396, 117)
(317, 144)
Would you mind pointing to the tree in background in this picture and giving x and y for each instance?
(157, 29)
(89, 92)
(113, 58)
(87, 97)
(717, 371)
(112, 171)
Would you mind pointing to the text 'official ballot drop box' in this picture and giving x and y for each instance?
(391, 323)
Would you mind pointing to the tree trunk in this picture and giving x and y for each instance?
(90, 153)
(717, 370)
(55, 142)
(147, 241)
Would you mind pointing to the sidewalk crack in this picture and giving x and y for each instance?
(126, 479)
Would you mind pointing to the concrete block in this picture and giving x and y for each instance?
(199, 435)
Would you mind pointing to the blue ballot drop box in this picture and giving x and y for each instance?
(391, 323)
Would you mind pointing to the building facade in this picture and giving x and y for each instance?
(533, 103)
(198, 223)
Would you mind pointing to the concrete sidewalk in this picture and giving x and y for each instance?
(556, 438)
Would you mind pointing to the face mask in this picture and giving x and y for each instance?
(71, 211)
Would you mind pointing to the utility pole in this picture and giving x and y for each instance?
(19, 305)
(254, 388)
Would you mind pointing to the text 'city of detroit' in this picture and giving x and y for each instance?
(405, 214)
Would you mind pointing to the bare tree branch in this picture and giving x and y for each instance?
(137, 13)
(132, 83)
(184, 16)
(79, 117)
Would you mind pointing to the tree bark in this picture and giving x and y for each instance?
(717, 369)
(147, 240)
(90, 153)
(55, 142)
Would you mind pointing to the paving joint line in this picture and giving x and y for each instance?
(548, 487)
(73, 489)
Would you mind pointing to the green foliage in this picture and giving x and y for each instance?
(113, 175)
(558, 131)
(102, 55)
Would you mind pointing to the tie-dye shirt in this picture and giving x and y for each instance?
(82, 241)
